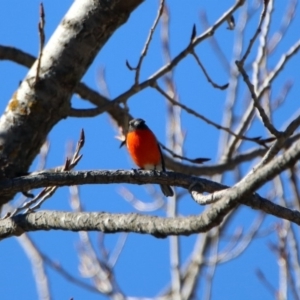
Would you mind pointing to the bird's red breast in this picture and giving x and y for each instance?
(143, 148)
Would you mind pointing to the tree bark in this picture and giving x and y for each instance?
(39, 104)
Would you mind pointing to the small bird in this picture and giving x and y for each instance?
(145, 151)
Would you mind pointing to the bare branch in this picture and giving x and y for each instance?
(90, 265)
(173, 63)
(41, 27)
(26, 59)
(255, 99)
(260, 60)
(61, 70)
(288, 16)
(207, 220)
(117, 250)
(257, 32)
(214, 43)
(257, 140)
(198, 160)
(149, 38)
(214, 169)
(68, 275)
(277, 146)
(48, 191)
(256, 179)
(38, 266)
(85, 113)
(279, 67)
(240, 192)
(16, 55)
(140, 205)
(112, 223)
(221, 87)
(261, 276)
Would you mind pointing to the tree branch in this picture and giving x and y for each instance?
(82, 33)
(112, 223)
(241, 192)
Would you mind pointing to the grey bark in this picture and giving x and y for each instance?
(38, 105)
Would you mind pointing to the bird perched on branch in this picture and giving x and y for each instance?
(145, 151)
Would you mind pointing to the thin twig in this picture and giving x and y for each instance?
(175, 140)
(149, 38)
(214, 43)
(41, 28)
(67, 275)
(294, 256)
(278, 68)
(211, 269)
(102, 83)
(277, 102)
(177, 59)
(282, 260)
(261, 56)
(288, 16)
(264, 281)
(140, 205)
(294, 183)
(114, 256)
(244, 241)
(38, 266)
(215, 85)
(229, 115)
(90, 265)
(47, 192)
(198, 160)
(257, 140)
(279, 143)
(262, 113)
(257, 32)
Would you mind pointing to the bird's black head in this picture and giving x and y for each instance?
(135, 124)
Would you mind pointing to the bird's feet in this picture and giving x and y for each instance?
(136, 170)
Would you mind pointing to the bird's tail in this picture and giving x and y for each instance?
(166, 189)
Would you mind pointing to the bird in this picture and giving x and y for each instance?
(145, 151)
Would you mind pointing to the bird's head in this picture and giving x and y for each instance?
(135, 124)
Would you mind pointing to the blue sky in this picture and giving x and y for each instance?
(143, 268)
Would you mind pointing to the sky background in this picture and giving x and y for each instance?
(143, 269)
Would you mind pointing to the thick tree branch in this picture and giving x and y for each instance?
(82, 33)
(112, 223)
(242, 192)
(82, 90)
(16, 55)
(68, 178)
(256, 178)
(118, 113)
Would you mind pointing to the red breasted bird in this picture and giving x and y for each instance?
(145, 151)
